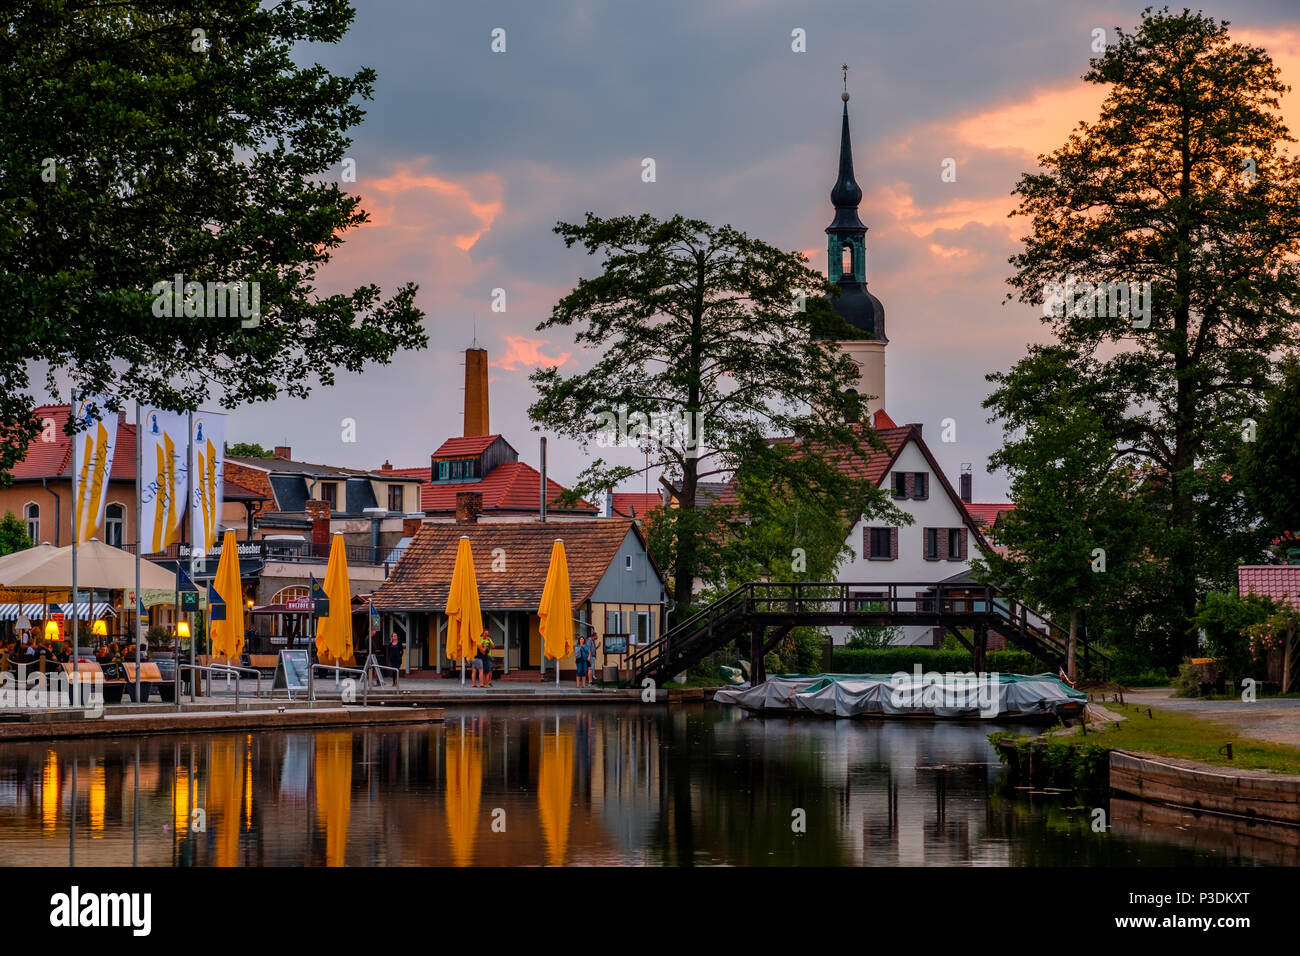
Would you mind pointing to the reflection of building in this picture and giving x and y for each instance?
(617, 590)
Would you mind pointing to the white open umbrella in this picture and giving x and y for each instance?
(20, 562)
(99, 566)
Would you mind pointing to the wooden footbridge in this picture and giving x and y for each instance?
(759, 615)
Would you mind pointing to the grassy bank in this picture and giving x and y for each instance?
(1179, 734)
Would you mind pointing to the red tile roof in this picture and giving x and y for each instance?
(987, 514)
(421, 579)
(423, 472)
(54, 459)
(234, 491)
(873, 465)
(1278, 581)
(511, 486)
(627, 502)
(462, 447)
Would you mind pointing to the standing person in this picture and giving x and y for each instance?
(581, 657)
(593, 645)
(485, 646)
(395, 657)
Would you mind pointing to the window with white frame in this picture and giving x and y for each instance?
(32, 515)
(114, 525)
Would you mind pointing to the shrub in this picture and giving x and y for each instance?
(1188, 681)
(1226, 619)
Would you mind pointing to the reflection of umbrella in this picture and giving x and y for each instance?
(334, 630)
(464, 787)
(556, 609)
(228, 622)
(555, 793)
(224, 797)
(464, 618)
(334, 791)
(50, 791)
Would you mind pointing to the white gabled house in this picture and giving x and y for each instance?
(938, 544)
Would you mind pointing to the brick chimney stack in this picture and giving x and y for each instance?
(469, 505)
(476, 393)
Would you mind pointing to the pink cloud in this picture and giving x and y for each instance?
(525, 352)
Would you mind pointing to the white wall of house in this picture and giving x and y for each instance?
(938, 510)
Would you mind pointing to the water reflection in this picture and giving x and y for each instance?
(522, 786)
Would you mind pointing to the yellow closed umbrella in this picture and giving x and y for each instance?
(334, 630)
(556, 610)
(464, 617)
(228, 631)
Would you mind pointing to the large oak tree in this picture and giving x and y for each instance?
(1183, 181)
(148, 139)
(703, 324)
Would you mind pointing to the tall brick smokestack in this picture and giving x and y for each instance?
(476, 393)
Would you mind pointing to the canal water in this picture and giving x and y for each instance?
(695, 784)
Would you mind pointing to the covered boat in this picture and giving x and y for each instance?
(968, 695)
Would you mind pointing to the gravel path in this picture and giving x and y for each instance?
(1276, 721)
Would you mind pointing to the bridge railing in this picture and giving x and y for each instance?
(892, 602)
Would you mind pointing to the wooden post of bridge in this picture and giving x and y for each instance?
(757, 675)
(981, 641)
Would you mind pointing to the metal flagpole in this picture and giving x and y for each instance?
(139, 544)
(189, 527)
(77, 491)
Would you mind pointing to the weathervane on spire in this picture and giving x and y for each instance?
(845, 95)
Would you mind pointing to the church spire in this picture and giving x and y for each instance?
(846, 194)
(847, 242)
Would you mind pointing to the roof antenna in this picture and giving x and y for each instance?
(474, 344)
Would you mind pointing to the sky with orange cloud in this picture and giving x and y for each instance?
(467, 158)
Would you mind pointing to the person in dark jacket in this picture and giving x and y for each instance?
(394, 656)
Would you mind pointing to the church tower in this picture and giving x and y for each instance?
(847, 267)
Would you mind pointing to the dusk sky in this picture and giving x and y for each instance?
(467, 158)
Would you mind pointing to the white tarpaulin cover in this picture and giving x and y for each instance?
(939, 695)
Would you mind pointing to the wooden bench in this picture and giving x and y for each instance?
(150, 677)
(114, 682)
(264, 662)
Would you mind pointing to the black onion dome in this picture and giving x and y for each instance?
(862, 310)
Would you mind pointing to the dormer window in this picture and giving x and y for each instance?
(461, 469)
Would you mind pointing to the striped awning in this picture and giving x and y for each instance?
(36, 612)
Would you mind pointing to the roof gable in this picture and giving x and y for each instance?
(511, 578)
